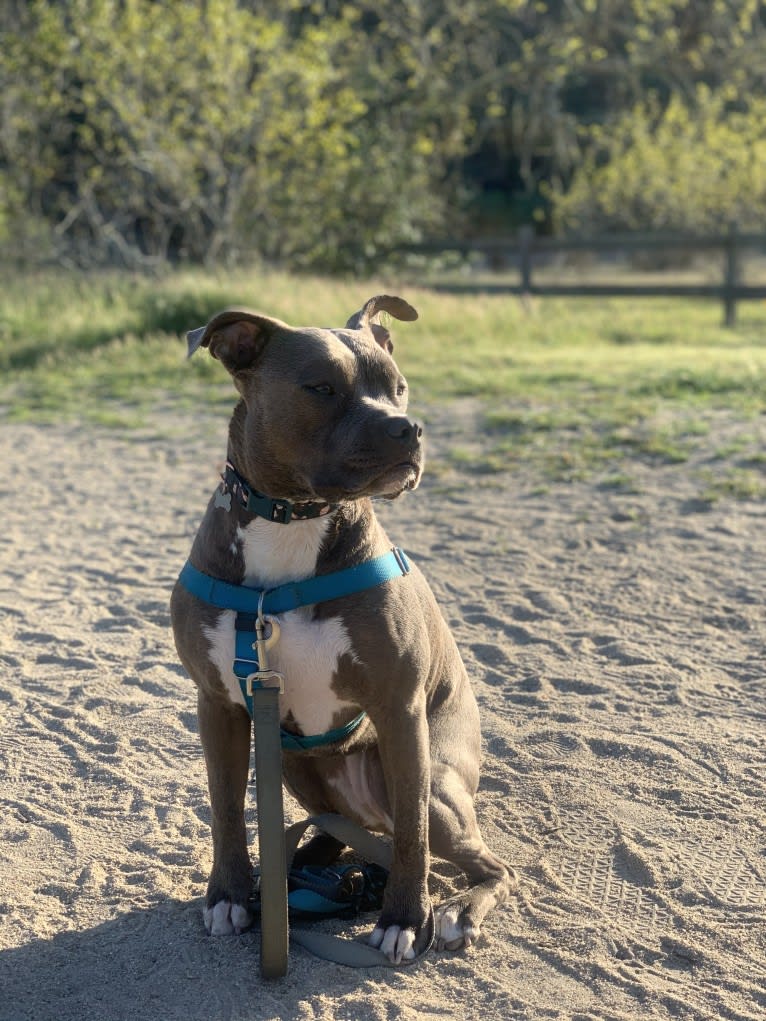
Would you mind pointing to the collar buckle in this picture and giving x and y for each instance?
(281, 512)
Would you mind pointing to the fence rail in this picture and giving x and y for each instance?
(525, 247)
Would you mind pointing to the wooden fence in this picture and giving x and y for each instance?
(526, 249)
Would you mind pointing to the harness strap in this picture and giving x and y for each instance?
(320, 589)
(246, 600)
(246, 662)
(301, 743)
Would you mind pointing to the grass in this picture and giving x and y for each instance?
(573, 386)
(736, 482)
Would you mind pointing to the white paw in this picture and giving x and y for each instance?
(451, 932)
(226, 918)
(396, 943)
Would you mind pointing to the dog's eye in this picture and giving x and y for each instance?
(323, 389)
(401, 388)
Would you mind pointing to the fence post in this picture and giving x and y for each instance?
(526, 234)
(731, 277)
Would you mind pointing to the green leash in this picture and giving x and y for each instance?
(277, 848)
(337, 949)
(271, 832)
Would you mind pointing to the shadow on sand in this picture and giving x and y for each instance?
(157, 964)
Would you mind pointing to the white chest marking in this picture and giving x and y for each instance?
(276, 554)
(307, 652)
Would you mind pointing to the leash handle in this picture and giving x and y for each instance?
(349, 952)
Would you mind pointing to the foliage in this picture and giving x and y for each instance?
(140, 131)
(322, 133)
(688, 166)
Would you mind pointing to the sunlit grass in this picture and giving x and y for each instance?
(568, 384)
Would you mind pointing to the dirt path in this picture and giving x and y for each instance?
(616, 641)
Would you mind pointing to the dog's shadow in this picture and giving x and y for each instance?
(143, 964)
(149, 964)
(160, 963)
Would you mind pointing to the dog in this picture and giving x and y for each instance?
(321, 428)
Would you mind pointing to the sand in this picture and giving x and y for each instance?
(615, 641)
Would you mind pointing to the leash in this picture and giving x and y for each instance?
(336, 949)
(271, 832)
(261, 688)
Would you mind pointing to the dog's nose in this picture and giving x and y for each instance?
(401, 428)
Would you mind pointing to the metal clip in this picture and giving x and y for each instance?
(262, 644)
(401, 560)
(263, 677)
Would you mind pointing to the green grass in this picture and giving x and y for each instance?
(574, 386)
(735, 483)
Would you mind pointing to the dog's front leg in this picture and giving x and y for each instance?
(404, 750)
(225, 734)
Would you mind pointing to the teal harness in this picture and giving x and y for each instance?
(252, 604)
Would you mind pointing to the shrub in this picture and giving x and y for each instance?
(137, 132)
(697, 166)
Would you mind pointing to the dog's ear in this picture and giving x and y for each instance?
(235, 337)
(395, 306)
(382, 336)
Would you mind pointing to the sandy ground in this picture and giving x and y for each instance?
(616, 645)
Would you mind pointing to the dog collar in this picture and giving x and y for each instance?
(281, 511)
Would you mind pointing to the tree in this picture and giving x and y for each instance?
(696, 165)
(140, 131)
(323, 134)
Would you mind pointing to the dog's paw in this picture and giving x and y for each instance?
(454, 928)
(224, 918)
(396, 943)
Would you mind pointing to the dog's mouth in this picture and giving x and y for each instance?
(372, 480)
(405, 475)
(394, 479)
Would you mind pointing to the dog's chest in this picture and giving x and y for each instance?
(307, 652)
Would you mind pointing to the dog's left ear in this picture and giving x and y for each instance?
(395, 306)
(235, 337)
(382, 336)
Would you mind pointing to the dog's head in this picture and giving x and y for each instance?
(324, 413)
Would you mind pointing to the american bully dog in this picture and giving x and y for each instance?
(321, 428)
